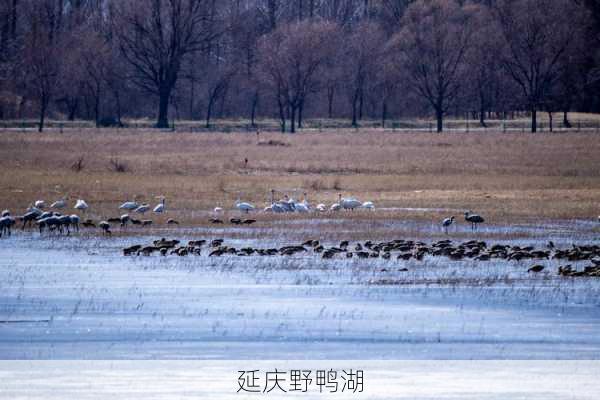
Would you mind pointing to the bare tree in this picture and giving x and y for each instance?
(432, 48)
(292, 57)
(485, 81)
(42, 53)
(156, 35)
(363, 53)
(538, 35)
(302, 58)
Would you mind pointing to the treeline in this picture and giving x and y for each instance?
(105, 60)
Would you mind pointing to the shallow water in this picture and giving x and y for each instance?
(78, 298)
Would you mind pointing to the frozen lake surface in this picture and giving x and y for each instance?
(79, 298)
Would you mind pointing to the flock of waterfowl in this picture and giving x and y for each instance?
(55, 221)
(398, 249)
(288, 205)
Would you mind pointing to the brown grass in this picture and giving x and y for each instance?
(507, 177)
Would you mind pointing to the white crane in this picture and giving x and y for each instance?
(129, 206)
(288, 204)
(350, 203)
(368, 205)
(321, 207)
(160, 208)
(244, 207)
(41, 204)
(302, 207)
(337, 206)
(218, 210)
(81, 205)
(5, 213)
(143, 208)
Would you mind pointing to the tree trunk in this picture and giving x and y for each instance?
(97, 109)
(281, 114)
(533, 120)
(163, 108)
(118, 101)
(439, 116)
(72, 108)
(330, 94)
(360, 106)
(566, 122)
(354, 110)
(293, 119)
(192, 96)
(42, 115)
(211, 102)
(482, 116)
(300, 111)
(550, 120)
(383, 114)
(253, 109)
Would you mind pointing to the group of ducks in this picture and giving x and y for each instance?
(289, 205)
(400, 249)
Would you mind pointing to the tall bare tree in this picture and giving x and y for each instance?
(363, 53)
(42, 61)
(538, 35)
(432, 48)
(156, 35)
(292, 57)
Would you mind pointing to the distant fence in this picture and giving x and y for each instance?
(271, 125)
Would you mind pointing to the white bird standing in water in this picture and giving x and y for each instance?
(143, 208)
(244, 207)
(129, 205)
(368, 205)
(350, 203)
(303, 207)
(160, 208)
(81, 205)
(337, 206)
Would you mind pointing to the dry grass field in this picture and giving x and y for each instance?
(506, 177)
